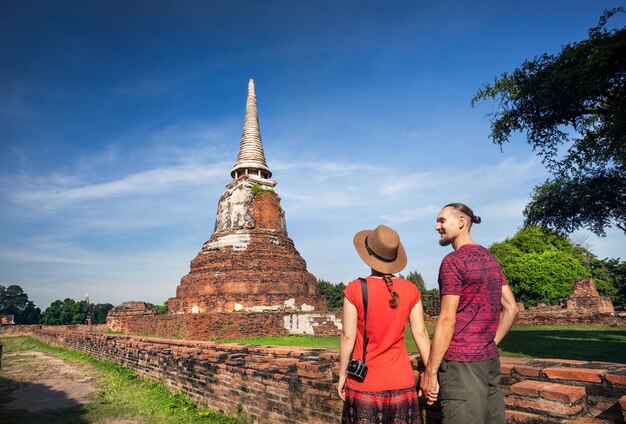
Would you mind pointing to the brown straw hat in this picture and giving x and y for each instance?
(381, 249)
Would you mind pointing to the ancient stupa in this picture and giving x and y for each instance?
(249, 263)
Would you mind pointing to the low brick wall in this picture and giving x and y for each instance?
(554, 315)
(228, 325)
(297, 385)
(18, 330)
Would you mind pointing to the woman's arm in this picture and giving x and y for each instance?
(418, 330)
(346, 344)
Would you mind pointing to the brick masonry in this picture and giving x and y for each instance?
(227, 325)
(297, 385)
(584, 306)
(249, 263)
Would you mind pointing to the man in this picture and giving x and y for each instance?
(477, 310)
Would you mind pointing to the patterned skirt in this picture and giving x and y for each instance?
(386, 407)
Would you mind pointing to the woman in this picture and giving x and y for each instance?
(388, 392)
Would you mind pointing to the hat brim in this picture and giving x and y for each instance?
(381, 266)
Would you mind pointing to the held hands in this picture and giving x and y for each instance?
(429, 387)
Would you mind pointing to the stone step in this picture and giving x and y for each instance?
(545, 397)
(589, 420)
(548, 390)
(514, 417)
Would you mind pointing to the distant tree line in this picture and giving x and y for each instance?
(14, 301)
(70, 311)
(333, 293)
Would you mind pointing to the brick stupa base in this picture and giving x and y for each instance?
(249, 263)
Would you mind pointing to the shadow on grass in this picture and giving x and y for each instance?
(587, 345)
(34, 403)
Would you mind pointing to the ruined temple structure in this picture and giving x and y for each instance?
(128, 309)
(584, 306)
(249, 263)
(585, 297)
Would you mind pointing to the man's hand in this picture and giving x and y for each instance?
(429, 386)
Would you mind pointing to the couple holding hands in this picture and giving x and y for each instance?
(376, 379)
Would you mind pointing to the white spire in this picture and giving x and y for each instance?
(251, 158)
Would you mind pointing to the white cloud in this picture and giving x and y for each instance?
(61, 190)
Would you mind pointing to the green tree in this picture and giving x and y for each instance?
(333, 293)
(539, 264)
(99, 312)
(417, 279)
(52, 314)
(572, 107)
(162, 310)
(69, 311)
(431, 300)
(81, 310)
(14, 301)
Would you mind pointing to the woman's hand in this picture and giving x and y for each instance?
(341, 386)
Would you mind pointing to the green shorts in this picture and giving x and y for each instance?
(470, 392)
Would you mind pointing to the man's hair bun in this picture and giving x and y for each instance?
(476, 219)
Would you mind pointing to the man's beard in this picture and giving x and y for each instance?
(444, 241)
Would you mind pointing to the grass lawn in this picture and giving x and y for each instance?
(591, 342)
(122, 395)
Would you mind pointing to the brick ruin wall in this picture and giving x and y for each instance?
(228, 325)
(297, 385)
(555, 315)
(585, 306)
(233, 325)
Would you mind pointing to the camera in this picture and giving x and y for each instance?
(357, 369)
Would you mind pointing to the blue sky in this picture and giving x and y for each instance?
(120, 122)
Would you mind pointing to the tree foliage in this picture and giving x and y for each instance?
(14, 301)
(539, 264)
(333, 293)
(431, 300)
(417, 279)
(162, 309)
(69, 312)
(572, 107)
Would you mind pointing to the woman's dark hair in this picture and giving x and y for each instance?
(464, 209)
(393, 302)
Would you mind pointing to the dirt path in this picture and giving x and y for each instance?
(38, 382)
(45, 382)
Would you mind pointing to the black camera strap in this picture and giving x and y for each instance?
(365, 339)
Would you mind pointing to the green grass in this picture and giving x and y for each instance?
(590, 342)
(122, 394)
(300, 340)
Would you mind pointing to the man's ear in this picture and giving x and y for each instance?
(462, 221)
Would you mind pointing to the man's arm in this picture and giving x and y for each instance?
(507, 315)
(444, 329)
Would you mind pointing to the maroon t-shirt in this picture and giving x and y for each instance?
(473, 273)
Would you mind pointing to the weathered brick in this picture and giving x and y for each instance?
(588, 420)
(574, 374)
(542, 405)
(527, 370)
(562, 392)
(528, 388)
(617, 376)
(305, 398)
(523, 417)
